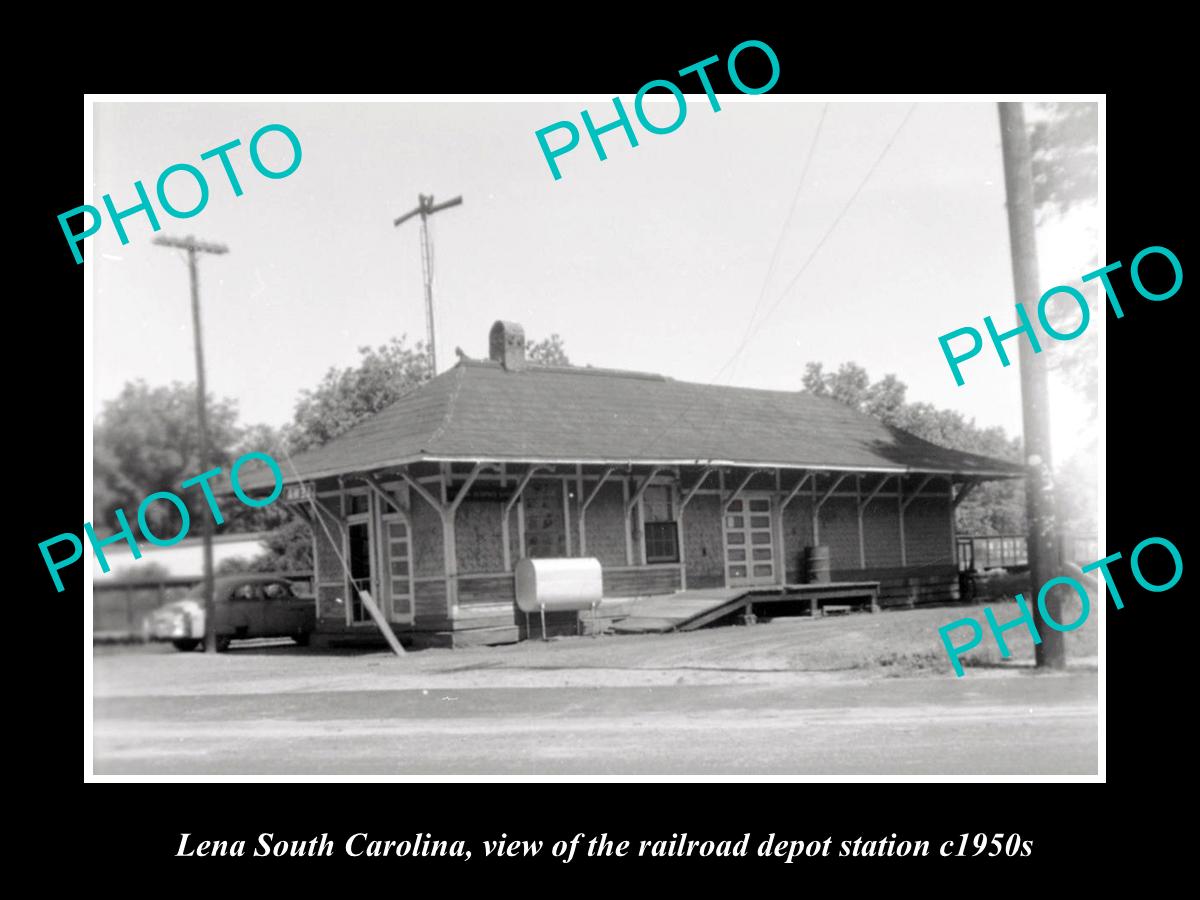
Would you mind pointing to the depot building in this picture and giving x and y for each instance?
(430, 503)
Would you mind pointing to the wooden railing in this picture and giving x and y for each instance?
(1010, 551)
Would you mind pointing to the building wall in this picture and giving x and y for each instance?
(430, 605)
(797, 535)
(881, 532)
(477, 533)
(839, 531)
(427, 541)
(331, 586)
(927, 531)
(605, 528)
(545, 534)
(929, 572)
(703, 541)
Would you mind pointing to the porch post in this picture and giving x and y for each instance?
(625, 518)
(862, 541)
(585, 502)
(783, 505)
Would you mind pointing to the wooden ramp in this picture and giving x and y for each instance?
(672, 612)
(689, 610)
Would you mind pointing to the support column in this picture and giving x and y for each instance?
(859, 505)
(783, 505)
(684, 500)
(518, 500)
(862, 505)
(904, 504)
(566, 502)
(636, 500)
(625, 518)
(585, 502)
(817, 504)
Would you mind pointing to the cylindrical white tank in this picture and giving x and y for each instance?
(557, 584)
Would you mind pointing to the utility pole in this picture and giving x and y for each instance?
(193, 246)
(1035, 405)
(425, 209)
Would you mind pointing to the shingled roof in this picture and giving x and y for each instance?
(480, 410)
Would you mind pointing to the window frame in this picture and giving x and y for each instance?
(285, 586)
(673, 525)
(647, 526)
(256, 591)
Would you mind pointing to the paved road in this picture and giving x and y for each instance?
(998, 724)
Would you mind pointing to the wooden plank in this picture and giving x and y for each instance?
(382, 622)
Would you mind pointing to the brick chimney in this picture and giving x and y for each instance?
(506, 345)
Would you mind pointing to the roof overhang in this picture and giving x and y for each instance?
(598, 461)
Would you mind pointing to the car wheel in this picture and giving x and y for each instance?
(222, 643)
(301, 639)
(186, 644)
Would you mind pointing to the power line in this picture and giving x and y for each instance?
(825, 237)
(839, 217)
(787, 223)
(775, 256)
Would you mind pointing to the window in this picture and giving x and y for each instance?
(278, 591)
(662, 542)
(661, 530)
(247, 592)
(356, 504)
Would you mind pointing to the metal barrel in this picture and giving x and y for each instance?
(816, 565)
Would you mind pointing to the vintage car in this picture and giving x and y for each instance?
(247, 606)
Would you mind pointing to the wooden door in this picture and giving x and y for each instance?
(396, 547)
(749, 541)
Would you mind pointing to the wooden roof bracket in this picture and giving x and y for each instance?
(904, 503)
(521, 485)
(596, 490)
(454, 504)
(423, 492)
(795, 491)
(637, 495)
(829, 493)
(741, 487)
(969, 485)
(387, 498)
(691, 492)
(862, 504)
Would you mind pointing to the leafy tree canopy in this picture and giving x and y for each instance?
(995, 507)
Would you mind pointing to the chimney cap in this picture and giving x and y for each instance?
(506, 345)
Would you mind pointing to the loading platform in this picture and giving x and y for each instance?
(692, 609)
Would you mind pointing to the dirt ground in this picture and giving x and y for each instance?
(860, 694)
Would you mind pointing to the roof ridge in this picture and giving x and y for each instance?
(571, 370)
(440, 430)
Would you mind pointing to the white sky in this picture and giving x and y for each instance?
(652, 260)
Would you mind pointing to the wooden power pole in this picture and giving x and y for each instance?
(193, 246)
(1035, 407)
(426, 208)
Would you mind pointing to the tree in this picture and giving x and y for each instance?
(347, 396)
(289, 549)
(1062, 141)
(547, 352)
(996, 507)
(146, 440)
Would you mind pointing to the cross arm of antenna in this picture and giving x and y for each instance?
(407, 216)
(190, 244)
(455, 202)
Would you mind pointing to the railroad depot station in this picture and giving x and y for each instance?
(694, 498)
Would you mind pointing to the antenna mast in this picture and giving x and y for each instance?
(426, 208)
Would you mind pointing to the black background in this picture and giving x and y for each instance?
(132, 829)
